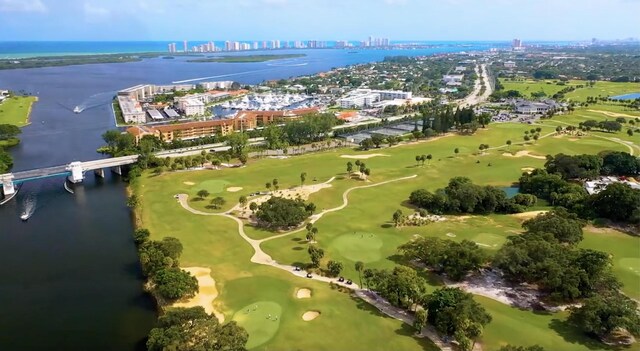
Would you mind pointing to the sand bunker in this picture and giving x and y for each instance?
(310, 315)
(302, 192)
(524, 153)
(207, 292)
(234, 189)
(303, 293)
(528, 215)
(573, 139)
(451, 235)
(527, 169)
(188, 183)
(363, 157)
(613, 114)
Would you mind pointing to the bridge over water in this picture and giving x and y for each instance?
(74, 171)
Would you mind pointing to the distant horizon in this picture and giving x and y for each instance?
(524, 40)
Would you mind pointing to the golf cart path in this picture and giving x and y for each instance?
(261, 257)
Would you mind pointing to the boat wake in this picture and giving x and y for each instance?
(29, 206)
(219, 76)
(288, 64)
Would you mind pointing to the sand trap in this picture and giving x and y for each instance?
(302, 192)
(528, 215)
(573, 139)
(524, 153)
(451, 235)
(234, 189)
(363, 157)
(527, 169)
(303, 293)
(207, 292)
(188, 183)
(613, 114)
(310, 315)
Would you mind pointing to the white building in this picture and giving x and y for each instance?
(531, 108)
(155, 114)
(132, 112)
(367, 97)
(596, 186)
(226, 84)
(452, 78)
(510, 64)
(191, 107)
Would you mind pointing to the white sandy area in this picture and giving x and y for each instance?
(613, 114)
(234, 189)
(363, 157)
(524, 153)
(527, 169)
(573, 139)
(207, 292)
(310, 315)
(528, 215)
(303, 293)
(188, 183)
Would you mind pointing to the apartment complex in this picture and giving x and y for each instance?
(132, 112)
(191, 107)
(367, 97)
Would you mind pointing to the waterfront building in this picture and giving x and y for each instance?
(225, 84)
(516, 43)
(185, 46)
(255, 45)
(367, 97)
(191, 107)
(132, 112)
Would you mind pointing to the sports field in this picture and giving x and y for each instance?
(15, 110)
(254, 295)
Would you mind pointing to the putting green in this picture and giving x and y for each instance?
(489, 240)
(363, 247)
(214, 186)
(261, 320)
(631, 264)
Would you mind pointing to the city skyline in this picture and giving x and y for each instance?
(249, 20)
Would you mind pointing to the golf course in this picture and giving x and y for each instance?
(355, 224)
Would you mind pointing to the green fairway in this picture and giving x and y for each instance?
(550, 87)
(363, 231)
(15, 110)
(261, 320)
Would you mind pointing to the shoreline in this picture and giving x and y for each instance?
(28, 119)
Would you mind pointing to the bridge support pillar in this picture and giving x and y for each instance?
(99, 172)
(77, 173)
(117, 170)
(8, 188)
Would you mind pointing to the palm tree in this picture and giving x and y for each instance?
(303, 177)
(456, 151)
(429, 157)
(508, 144)
(418, 159)
(268, 186)
(243, 201)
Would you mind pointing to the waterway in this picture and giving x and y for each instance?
(70, 275)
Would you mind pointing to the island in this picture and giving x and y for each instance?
(247, 58)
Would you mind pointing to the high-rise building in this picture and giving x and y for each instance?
(264, 44)
(172, 47)
(516, 43)
(227, 46)
(185, 46)
(255, 45)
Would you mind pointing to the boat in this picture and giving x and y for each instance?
(77, 109)
(24, 217)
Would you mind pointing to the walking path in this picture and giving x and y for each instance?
(261, 257)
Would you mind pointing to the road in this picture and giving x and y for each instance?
(475, 97)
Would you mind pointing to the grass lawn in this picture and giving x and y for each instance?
(550, 87)
(362, 231)
(15, 110)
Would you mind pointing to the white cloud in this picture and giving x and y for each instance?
(22, 6)
(95, 11)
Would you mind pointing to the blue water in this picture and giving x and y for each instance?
(511, 191)
(631, 96)
(23, 49)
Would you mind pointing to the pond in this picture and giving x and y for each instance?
(511, 191)
(630, 96)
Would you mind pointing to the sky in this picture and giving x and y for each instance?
(318, 19)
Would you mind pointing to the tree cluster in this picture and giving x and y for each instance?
(160, 264)
(193, 329)
(278, 212)
(462, 196)
(454, 259)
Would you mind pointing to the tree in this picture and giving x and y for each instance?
(366, 144)
(174, 283)
(334, 268)
(453, 312)
(253, 206)
(202, 193)
(243, 201)
(521, 348)
(359, 265)
(564, 227)
(238, 142)
(243, 158)
(618, 201)
(418, 159)
(349, 167)
(193, 329)
(133, 201)
(218, 202)
(377, 139)
(140, 236)
(429, 157)
(10, 131)
(420, 320)
(456, 151)
(275, 183)
(397, 217)
(303, 177)
(279, 212)
(602, 315)
(316, 254)
(267, 185)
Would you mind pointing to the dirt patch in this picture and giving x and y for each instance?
(524, 153)
(234, 189)
(188, 183)
(302, 192)
(207, 292)
(528, 215)
(363, 157)
(303, 293)
(310, 315)
(573, 139)
(527, 169)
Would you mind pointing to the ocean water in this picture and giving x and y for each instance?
(24, 49)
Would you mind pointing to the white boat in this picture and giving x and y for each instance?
(24, 217)
(77, 109)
